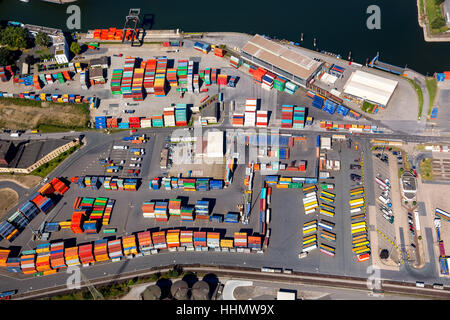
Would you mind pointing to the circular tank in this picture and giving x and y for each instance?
(152, 292)
(179, 290)
(200, 290)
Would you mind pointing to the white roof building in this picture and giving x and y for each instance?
(214, 148)
(370, 87)
(284, 295)
(325, 143)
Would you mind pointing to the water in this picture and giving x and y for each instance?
(339, 26)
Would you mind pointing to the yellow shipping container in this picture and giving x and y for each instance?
(282, 186)
(226, 243)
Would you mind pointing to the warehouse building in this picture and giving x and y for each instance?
(7, 151)
(210, 114)
(280, 60)
(57, 37)
(369, 87)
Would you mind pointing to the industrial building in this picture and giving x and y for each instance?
(280, 60)
(210, 114)
(7, 151)
(57, 37)
(369, 87)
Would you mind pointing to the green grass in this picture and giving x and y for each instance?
(48, 167)
(432, 90)
(421, 7)
(419, 95)
(367, 106)
(426, 170)
(433, 11)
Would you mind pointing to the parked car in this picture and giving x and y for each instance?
(355, 177)
(355, 167)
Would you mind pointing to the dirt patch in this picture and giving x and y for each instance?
(8, 199)
(26, 181)
(29, 117)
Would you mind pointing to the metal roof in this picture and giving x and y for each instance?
(281, 57)
(370, 87)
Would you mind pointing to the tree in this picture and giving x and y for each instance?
(29, 59)
(75, 48)
(6, 57)
(15, 37)
(438, 23)
(42, 39)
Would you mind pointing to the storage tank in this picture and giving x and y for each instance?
(200, 291)
(179, 290)
(152, 292)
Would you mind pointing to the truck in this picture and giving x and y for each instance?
(120, 147)
(15, 135)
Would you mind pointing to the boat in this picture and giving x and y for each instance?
(15, 23)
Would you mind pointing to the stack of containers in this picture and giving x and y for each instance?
(116, 80)
(240, 239)
(181, 114)
(213, 239)
(3, 74)
(129, 245)
(36, 83)
(145, 242)
(160, 77)
(115, 249)
(148, 209)
(187, 213)
(219, 52)
(146, 123)
(45, 204)
(202, 209)
(175, 207)
(190, 76)
(222, 79)
(134, 122)
(100, 250)
(159, 240)
(258, 75)
(8, 231)
(43, 257)
(202, 47)
(77, 220)
(100, 122)
(287, 112)
(18, 220)
(216, 184)
(27, 263)
(90, 226)
(196, 83)
(238, 119)
(161, 211)
(254, 242)
(250, 112)
(173, 238)
(85, 253)
(182, 72)
(4, 253)
(226, 244)
(169, 116)
(98, 208)
(157, 121)
(108, 211)
(186, 238)
(127, 77)
(202, 184)
(213, 76)
(59, 186)
(267, 81)
(290, 87)
(262, 119)
(57, 255)
(232, 217)
(207, 78)
(279, 83)
(309, 243)
(138, 81)
(310, 202)
(83, 80)
(149, 76)
(299, 117)
(235, 62)
(13, 265)
(130, 184)
(189, 184)
(199, 239)
(172, 77)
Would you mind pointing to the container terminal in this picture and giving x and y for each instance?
(221, 148)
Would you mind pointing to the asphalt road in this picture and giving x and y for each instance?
(284, 244)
